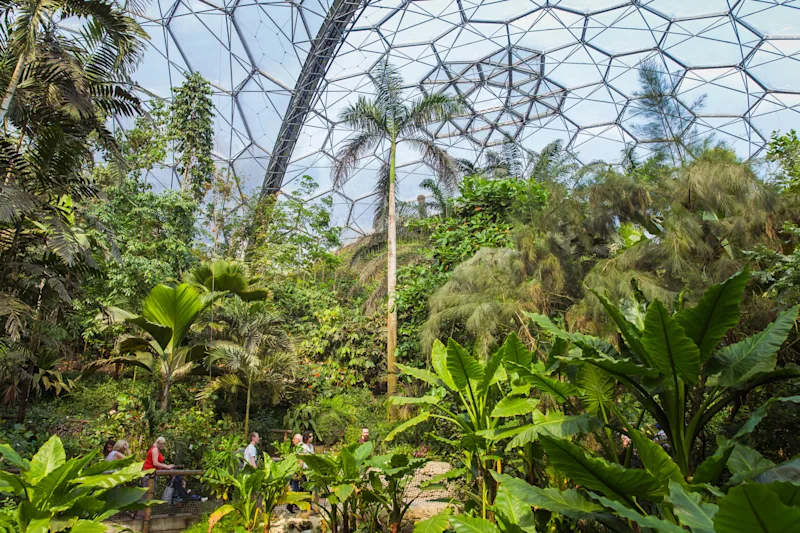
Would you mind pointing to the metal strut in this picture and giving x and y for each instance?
(323, 50)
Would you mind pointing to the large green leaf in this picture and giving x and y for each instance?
(493, 372)
(514, 350)
(715, 313)
(106, 481)
(88, 526)
(712, 468)
(629, 332)
(462, 366)
(759, 414)
(174, 307)
(11, 455)
(655, 459)
(560, 390)
(691, 510)
(9, 483)
(121, 498)
(434, 524)
(56, 481)
(405, 400)
(49, 457)
(344, 491)
(422, 417)
(788, 492)
(468, 524)
(745, 463)
(423, 375)
(597, 389)
(586, 342)
(598, 474)
(554, 424)
(738, 362)
(567, 502)
(514, 510)
(754, 508)
(650, 521)
(363, 451)
(672, 351)
(439, 363)
(616, 366)
(514, 406)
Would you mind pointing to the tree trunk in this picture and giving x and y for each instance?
(165, 395)
(12, 87)
(22, 411)
(247, 415)
(391, 272)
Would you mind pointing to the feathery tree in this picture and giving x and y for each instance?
(254, 350)
(387, 118)
(668, 123)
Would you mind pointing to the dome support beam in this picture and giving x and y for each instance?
(323, 50)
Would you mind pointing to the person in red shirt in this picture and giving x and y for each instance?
(154, 459)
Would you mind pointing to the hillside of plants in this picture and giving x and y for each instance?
(590, 347)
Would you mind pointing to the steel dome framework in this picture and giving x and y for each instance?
(535, 71)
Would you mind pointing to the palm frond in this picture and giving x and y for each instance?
(352, 150)
(444, 167)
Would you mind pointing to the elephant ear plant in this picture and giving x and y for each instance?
(57, 494)
(260, 491)
(675, 367)
(482, 401)
(339, 479)
(395, 471)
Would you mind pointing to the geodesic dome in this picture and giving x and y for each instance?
(534, 71)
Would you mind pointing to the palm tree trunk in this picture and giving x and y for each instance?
(165, 395)
(12, 86)
(391, 324)
(247, 414)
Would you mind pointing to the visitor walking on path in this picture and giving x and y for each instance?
(294, 483)
(120, 450)
(250, 453)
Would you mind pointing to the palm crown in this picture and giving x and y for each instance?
(387, 117)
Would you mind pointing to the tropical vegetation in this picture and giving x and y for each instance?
(575, 347)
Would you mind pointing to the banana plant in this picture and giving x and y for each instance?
(492, 403)
(57, 494)
(260, 491)
(678, 365)
(339, 479)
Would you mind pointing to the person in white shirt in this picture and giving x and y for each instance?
(250, 453)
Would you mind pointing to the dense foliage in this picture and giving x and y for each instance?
(615, 335)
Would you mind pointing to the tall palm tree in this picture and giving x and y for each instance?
(387, 118)
(256, 352)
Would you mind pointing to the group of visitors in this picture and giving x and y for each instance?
(154, 460)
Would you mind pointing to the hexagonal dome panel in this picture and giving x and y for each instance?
(531, 70)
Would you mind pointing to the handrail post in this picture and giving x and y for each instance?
(148, 511)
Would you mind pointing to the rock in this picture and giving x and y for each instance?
(423, 510)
